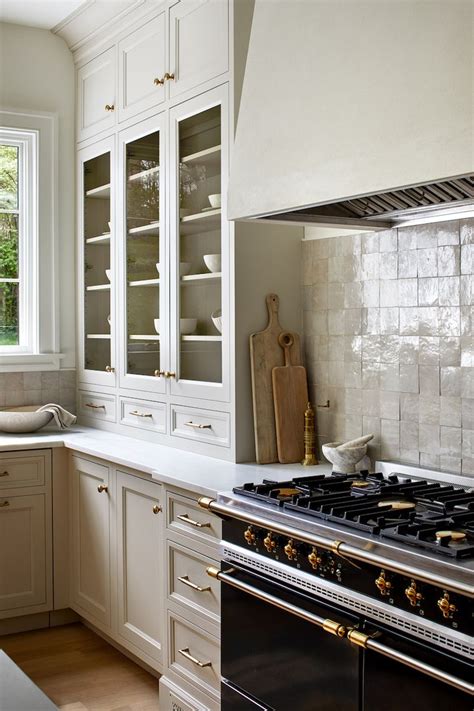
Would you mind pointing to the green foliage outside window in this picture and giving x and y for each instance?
(8, 245)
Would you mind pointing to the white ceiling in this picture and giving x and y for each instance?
(37, 13)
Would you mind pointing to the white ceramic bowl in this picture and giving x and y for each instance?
(184, 268)
(108, 274)
(156, 324)
(213, 262)
(23, 419)
(215, 200)
(217, 319)
(157, 267)
(187, 326)
(110, 226)
(109, 320)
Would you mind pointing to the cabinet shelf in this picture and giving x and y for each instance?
(214, 339)
(208, 278)
(141, 337)
(143, 174)
(98, 287)
(101, 239)
(209, 156)
(98, 336)
(144, 282)
(153, 228)
(101, 193)
(201, 222)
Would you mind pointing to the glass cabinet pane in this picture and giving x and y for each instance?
(200, 290)
(144, 271)
(97, 263)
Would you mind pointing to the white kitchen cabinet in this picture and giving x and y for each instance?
(142, 67)
(199, 43)
(139, 565)
(91, 496)
(96, 95)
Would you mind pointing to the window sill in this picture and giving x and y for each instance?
(30, 361)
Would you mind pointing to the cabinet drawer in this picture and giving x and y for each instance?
(201, 425)
(142, 414)
(194, 654)
(189, 584)
(18, 471)
(97, 407)
(172, 698)
(186, 516)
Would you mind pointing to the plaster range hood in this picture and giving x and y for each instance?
(356, 112)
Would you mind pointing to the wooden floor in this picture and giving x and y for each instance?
(81, 672)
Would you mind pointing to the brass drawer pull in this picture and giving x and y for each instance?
(197, 426)
(186, 581)
(141, 414)
(3, 504)
(95, 407)
(5, 473)
(187, 655)
(102, 487)
(197, 524)
(156, 509)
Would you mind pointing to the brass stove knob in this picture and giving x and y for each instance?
(446, 607)
(269, 542)
(383, 585)
(249, 536)
(412, 594)
(314, 559)
(290, 550)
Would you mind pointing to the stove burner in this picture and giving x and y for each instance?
(397, 504)
(451, 535)
(362, 483)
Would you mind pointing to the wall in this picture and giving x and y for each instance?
(388, 325)
(39, 388)
(37, 74)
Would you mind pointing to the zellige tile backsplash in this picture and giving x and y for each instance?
(39, 388)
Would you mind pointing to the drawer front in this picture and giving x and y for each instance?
(18, 471)
(97, 407)
(188, 583)
(201, 425)
(194, 655)
(186, 516)
(142, 414)
(172, 698)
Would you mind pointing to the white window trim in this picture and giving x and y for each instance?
(43, 352)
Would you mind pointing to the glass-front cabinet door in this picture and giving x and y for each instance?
(96, 258)
(143, 259)
(199, 239)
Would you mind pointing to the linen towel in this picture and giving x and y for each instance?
(62, 417)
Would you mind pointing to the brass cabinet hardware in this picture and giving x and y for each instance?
(412, 594)
(446, 607)
(169, 374)
(157, 81)
(5, 473)
(186, 581)
(197, 524)
(198, 426)
(334, 628)
(187, 655)
(205, 502)
(168, 76)
(290, 550)
(3, 504)
(358, 638)
(249, 536)
(159, 373)
(141, 414)
(102, 487)
(109, 369)
(213, 572)
(95, 407)
(109, 107)
(314, 559)
(383, 585)
(156, 509)
(269, 542)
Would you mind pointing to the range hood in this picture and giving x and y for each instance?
(356, 112)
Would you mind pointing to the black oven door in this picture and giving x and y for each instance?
(273, 658)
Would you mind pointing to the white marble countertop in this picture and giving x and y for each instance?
(205, 476)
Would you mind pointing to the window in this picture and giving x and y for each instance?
(18, 241)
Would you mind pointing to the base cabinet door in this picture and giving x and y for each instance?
(91, 506)
(25, 554)
(139, 566)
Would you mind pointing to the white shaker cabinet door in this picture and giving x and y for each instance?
(142, 66)
(139, 566)
(199, 43)
(96, 95)
(90, 579)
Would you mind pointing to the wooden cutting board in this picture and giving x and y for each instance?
(290, 393)
(265, 354)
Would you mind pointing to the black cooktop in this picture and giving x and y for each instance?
(430, 515)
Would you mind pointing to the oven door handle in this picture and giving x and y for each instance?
(353, 635)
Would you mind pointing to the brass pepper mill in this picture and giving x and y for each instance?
(309, 438)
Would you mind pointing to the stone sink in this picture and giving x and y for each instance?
(19, 420)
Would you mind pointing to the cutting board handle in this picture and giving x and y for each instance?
(273, 304)
(286, 340)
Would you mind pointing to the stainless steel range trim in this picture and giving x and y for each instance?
(336, 545)
(403, 621)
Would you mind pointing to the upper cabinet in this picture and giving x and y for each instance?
(96, 87)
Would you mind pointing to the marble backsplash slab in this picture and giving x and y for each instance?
(39, 387)
(389, 341)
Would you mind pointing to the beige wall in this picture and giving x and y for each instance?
(37, 74)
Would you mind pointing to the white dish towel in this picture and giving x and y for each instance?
(62, 417)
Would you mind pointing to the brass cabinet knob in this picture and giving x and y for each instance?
(412, 594)
(250, 536)
(169, 374)
(269, 542)
(168, 76)
(157, 509)
(383, 585)
(109, 107)
(314, 558)
(159, 373)
(102, 487)
(290, 550)
(157, 81)
(109, 369)
(446, 607)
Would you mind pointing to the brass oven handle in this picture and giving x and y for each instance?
(5, 473)
(141, 414)
(197, 524)
(4, 504)
(187, 655)
(197, 426)
(186, 581)
(95, 407)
